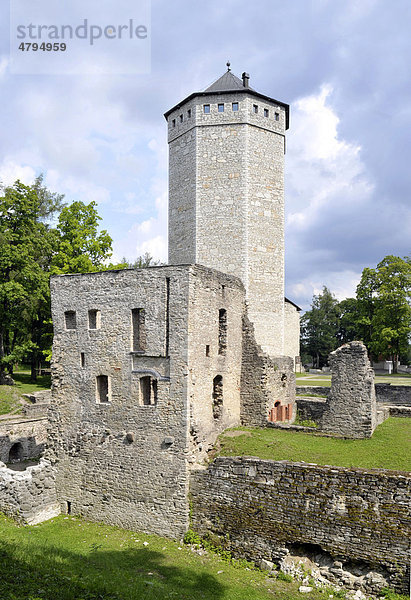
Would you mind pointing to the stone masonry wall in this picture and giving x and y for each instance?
(29, 496)
(260, 509)
(399, 395)
(264, 381)
(119, 460)
(30, 433)
(351, 409)
(210, 293)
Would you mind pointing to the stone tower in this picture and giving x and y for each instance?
(226, 193)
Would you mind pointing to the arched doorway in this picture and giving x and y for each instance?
(16, 453)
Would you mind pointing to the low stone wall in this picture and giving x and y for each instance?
(29, 496)
(314, 390)
(31, 434)
(399, 395)
(260, 509)
(311, 409)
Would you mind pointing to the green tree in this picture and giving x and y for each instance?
(142, 262)
(383, 296)
(81, 247)
(320, 328)
(349, 328)
(26, 247)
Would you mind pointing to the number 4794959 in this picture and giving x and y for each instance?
(45, 47)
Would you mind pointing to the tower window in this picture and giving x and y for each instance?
(139, 329)
(266, 113)
(235, 106)
(94, 321)
(103, 392)
(255, 108)
(70, 319)
(207, 350)
(221, 108)
(222, 331)
(189, 113)
(174, 122)
(206, 108)
(217, 396)
(82, 359)
(148, 391)
(277, 116)
(181, 118)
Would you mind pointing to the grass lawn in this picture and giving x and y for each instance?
(70, 559)
(10, 395)
(389, 447)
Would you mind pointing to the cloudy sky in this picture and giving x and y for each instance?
(344, 66)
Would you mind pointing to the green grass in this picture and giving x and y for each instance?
(388, 448)
(10, 395)
(70, 559)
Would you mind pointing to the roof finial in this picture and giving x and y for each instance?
(228, 65)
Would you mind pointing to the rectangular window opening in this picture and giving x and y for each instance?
(207, 350)
(255, 108)
(235, 106)
(222, 331)
(189, 113)
(83, 359)
(139, 329)
(70, 319)
(94, 319)
(221, 108)
(174, 122)
(266, 112)
(148, 391)
(206, 108)
(277, 116)
(103, 392)
(181, 118)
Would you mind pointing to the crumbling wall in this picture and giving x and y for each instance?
(260, 509)
(265, 381)
(216, 307)
(29, 496)
(351, 408)
(31, 434)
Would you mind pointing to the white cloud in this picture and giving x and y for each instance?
(321, 168)
(10, 171)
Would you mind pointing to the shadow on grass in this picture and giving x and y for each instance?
(26, 385)
(131, 574)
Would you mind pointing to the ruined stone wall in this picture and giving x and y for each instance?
(265, 381)
(311, 409)
(399, 395)
(119, 460)
(29, 496)
(237, 222)
(214, 351)
(30, 434)
(351, 409)
(260, 509)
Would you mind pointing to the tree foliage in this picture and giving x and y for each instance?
(380, 315)
(32, 247)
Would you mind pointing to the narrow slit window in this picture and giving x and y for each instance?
(206, 109)
(255, 108)
(266, 112)
(94, 319)
(235, 106)
(82, 359)
(148, 391)
(181, 118)
(207, 350)
(277, 116)
(70, 319)
(189, 113)
(174, 122)
(217, 397)
(222, 331)
(103, 392)
(139, 329)
(221, 108)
